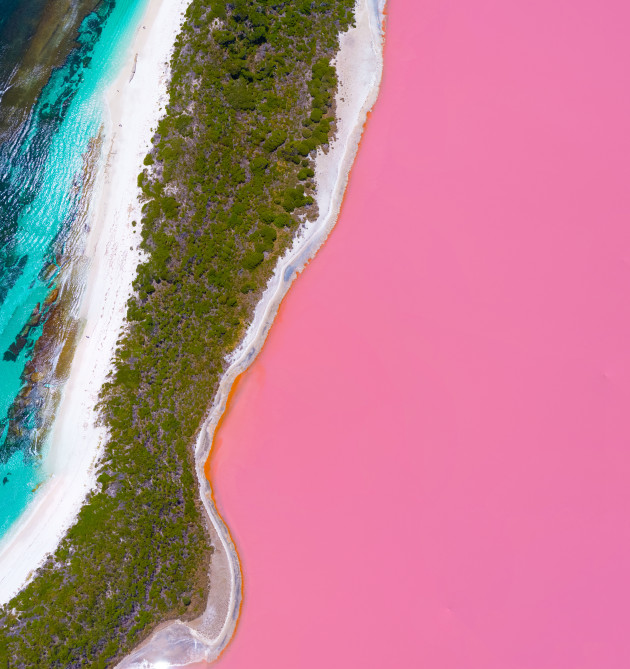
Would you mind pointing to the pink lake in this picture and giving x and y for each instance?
(429, 463)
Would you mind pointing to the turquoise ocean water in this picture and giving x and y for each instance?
(42, 191)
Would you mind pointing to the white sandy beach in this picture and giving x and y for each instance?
(359, 66)
(75, 442)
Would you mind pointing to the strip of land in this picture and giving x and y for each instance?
(358, 65)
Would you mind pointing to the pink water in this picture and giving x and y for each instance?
(429, 464)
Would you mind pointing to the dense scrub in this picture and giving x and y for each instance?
(226, 184)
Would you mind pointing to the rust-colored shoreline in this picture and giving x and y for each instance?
(216, 439)
(217, 433)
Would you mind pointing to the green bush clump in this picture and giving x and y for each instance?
(224, 37)
(181, 124)
(170, 207)
(240, 96)
(303, 148)
(252, 259)
(259, 164)
(266, 215)
(295, 198)
(284, 221)
(235, 66)
(265, 237)
(276, 139)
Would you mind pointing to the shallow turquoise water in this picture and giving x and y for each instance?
(41, 190)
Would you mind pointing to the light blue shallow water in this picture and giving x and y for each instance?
(41, 190)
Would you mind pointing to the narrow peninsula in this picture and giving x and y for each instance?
(227, 185)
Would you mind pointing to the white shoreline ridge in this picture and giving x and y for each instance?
(75, 442)
(359, 66)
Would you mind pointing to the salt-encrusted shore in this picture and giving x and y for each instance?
(359, 66)
(136, 101)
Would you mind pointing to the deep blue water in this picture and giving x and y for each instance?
(42, 192)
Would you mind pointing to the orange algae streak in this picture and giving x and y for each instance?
(216, 438)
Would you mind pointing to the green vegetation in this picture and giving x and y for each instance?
(223, 191)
